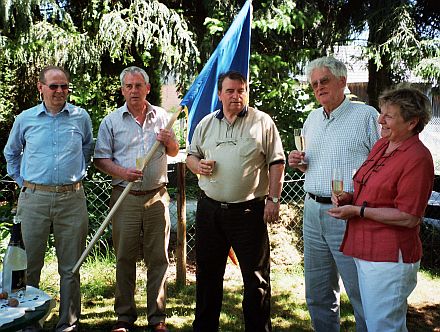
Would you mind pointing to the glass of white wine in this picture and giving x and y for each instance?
(337, 182)
(140, 160)
(300, 142)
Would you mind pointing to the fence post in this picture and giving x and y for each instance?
(181, 226)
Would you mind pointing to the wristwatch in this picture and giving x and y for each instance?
(273, 199)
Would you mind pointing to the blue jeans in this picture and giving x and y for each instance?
(324, 266)
(244, 229)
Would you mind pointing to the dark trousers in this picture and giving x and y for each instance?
(243, 228)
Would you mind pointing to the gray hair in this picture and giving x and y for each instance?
(336, 67)
(412, 104)
(134, 70)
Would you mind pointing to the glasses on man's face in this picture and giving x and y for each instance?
(55, 87)
(323, 81)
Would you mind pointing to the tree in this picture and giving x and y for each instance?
(94, 44)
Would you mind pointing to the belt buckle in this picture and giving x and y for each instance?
(57, 189)
(224, 205)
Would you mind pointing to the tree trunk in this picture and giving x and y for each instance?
(381, 22)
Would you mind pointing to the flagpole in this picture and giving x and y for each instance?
(121, 198)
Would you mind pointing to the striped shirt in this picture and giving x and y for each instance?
(341, 140)
(122, 139)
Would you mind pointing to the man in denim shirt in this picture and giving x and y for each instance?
(47, 153)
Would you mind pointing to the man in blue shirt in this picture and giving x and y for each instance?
(47, 153)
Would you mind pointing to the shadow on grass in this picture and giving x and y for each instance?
(287, 313)
(426, 318)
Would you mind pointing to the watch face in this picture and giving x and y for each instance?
(274, 199)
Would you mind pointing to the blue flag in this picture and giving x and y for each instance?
(232, 53)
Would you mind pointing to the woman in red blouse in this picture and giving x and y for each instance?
(391, 191)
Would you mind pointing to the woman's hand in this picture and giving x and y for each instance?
(344, 212)
(342, 199)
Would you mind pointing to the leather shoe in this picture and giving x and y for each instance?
(121, 326)
(160, 327)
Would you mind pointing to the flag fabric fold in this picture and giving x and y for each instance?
(232, 53)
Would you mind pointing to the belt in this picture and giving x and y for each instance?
(63, 188)
(139, 192)
(241, 205)
(319, 199)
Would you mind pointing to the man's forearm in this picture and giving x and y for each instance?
(192, 163)
(276, 178)
(109, 167)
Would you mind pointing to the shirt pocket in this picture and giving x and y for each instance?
(73, 139)
(248, 147)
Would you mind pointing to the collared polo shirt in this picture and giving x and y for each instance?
(243, 152)
(49, 149)
(341, 140)
(122, 139)
(401, 180)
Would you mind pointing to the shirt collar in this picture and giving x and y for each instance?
(220, 115)
(42, 109)
(408, 142)
(151, 111)
(337, 111)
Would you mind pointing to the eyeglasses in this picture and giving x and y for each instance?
(323, 81)
(55, 87)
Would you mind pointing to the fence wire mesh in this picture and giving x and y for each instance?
(98, 189)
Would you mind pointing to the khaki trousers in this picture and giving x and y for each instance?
(67, 214)
(147, 215)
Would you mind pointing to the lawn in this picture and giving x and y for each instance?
(289, 311)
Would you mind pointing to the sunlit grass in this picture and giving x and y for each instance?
(288, 308)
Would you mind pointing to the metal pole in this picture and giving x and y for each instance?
(181, 226)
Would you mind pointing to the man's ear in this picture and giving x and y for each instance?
(40, 87)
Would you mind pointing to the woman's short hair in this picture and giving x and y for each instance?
(412, 104)
(336, 67)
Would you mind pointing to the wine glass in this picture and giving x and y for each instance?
(140, 160)
(300, 142)
(209, 160)
(337, 182)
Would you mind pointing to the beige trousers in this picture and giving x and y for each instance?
(67, 214)
(141, 222)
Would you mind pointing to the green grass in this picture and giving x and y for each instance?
(289, 311)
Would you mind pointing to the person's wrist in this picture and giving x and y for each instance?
(362, 210)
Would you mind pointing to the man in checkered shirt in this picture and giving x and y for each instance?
(340, 134)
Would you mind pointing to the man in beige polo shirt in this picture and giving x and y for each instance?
(233, 209)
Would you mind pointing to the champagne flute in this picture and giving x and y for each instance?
(337, 182)
(300, 142)
(140, 159)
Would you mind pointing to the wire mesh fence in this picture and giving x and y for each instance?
(98, 189)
